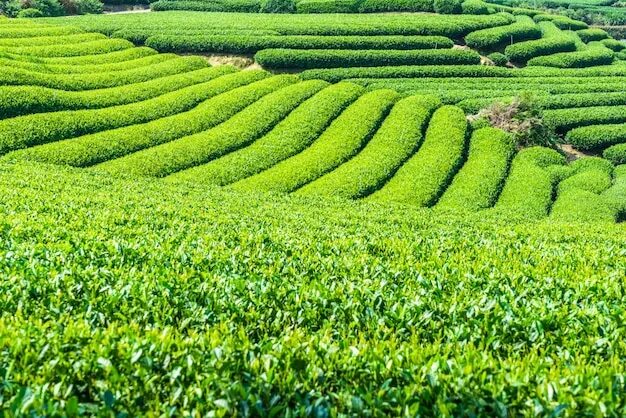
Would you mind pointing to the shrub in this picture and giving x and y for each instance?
(399, 136)
(291, 136)
(614, 44)
(474, 7)
(320, 58)
(597, 136)
(238, 131)
(498, 59)
(616, 154)
(593, 34)
(447, 7)
(343, 139)
(479, 182)
(278, 6)
(523, 118)
(378, 6)
(424, 177)
(326, 6)
(30, 13)
(562, 22)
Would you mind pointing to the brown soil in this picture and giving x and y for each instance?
(572, 153)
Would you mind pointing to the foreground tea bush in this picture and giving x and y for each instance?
(142, 287)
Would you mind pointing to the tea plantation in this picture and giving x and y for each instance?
(336, 229)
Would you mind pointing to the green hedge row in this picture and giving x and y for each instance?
(381, 6)
(327, 6)
(397, 139)
(84, 48)
(103, 146)
(23, 100)
(594, 55)
(459, 71)
(579, 196)
(479, 182)
(614, 44)
(592, 34)
(333, 58)
(76, 69)
(185, 38)
(240, 130)
(40, 128)
(553, 40)
(50, 40)
(291, 136)
(80, 60)
(344, 138)
(232, 6)
(565, 119)
(29, 32)
(248, 44)
(451, 26)
(597, 136)
(616, 195)
(89, 81)
(616, 154)
(492, 38)
(425, 176)
(530, 185)
(562, 22)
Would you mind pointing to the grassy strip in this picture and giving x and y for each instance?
(40, 128)
(90, 81)
(479, 182)
(240, 130)
(399, 136)
(530, 185)
(290, 136)
(26, 31)
(23, 100)
(322, 58)
(96, 148)
(425, 176)
(250, 44)
(343, 139)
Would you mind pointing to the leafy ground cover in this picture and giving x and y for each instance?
(133, 296)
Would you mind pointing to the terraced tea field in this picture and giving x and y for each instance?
(329, 232)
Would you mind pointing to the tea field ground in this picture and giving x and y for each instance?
(184, 239)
